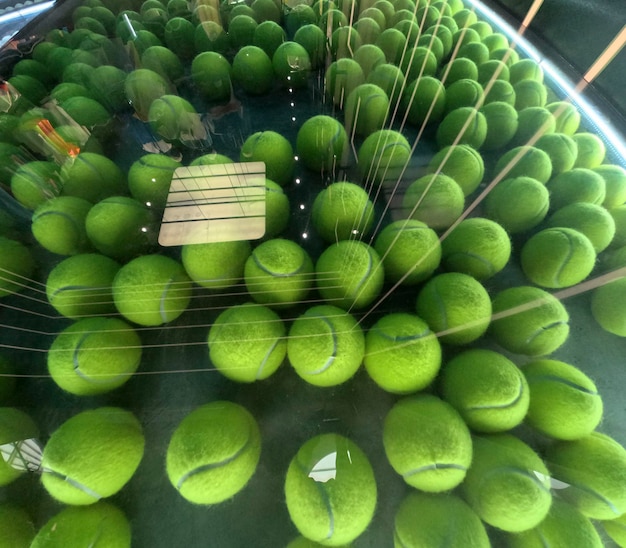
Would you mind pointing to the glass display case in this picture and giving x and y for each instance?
(342, 273)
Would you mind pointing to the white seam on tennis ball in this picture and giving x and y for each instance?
(72, 482)
(266, 358)
(531, 339)
(162, 311)
(514, 401)
(75, 361)
(323, 495)
(331, 359)
(561, 380)
(434, 466)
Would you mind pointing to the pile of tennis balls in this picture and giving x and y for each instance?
(468, 361)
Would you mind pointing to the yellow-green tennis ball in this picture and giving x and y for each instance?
(564, 401)
(211, 159)
(93, 177)
(501, 91)
(418, 62)
(80, 525)
(17, 266)
(341, 77)
(383, 156)
(342, 211)
(592, 220)
(462, 163)
(495, 41)
(107, 85)
(619, 216)
(436, 200)
(616, 529)
(502, 124)
(524, 161)
(276, 209)
(459, 68)
(402, 355)
(615, 181)
(577, 185)
(557, 257)
(211, 74)
(591, 150)
(465, 36)
(279, 273)
(456, 307)
(94, 356)
(530, 93)
(325, 346)
(478, 247)
(312, 39)
(487, 389)
(567, 117)
(253, 71)
(424, 100)
(476, 51)
(344, 41)
(366, 109)
(175, 120)
(247, 342)
(508, 56)
(274, 150)
(526, 69)
(299, 16)
(410, 251)
(444, 34)
(15, 427)
(393, 43)
(492, 70)
(331, 18)
(35, 182)
(463, 93)
(292, 65)
(151, 290)
(427, 443)
(332, 507)
(464, 126)
(562, 150)
(241, 30)
(216, 265)
(372, 13)
(349, 274)
(211, 36)
(369, 31)
(80, 285)
(86, 112)
(528, 320)
(389, 78)
(266, 10)
(92, 455)
(607, 309)
(321, 143)
(533, 122)
(594, 471)
(213, 452)
(508, 485)
(423, 519)
(149, 179)
(179, 37)
(16, 527)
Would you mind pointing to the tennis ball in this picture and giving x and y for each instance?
(342, 211)
(241, 29)
(86, 112)
(615, 182)
(17, 265)
(94, 356)
(106, 84)
(330, 512)
(591, 150)
(15, 427)
(92, 455)
(562, 150)
(528, 320)
(524, 161)
(491, 70)
(533, 122)
(530, 94)
(321, 143)
(325, 346)
(424, 100)
(369, 30)
(418, 62)
(459, 68)
(478, 247)
(487, 389)
(341, 78)
(508, 56)
(410, 251)
(312, 39)
(502, 124)
(464, 93)
(526, 69)
(606, 307)
(383, 156)
(436, 200)
(266, 10)
(423, 519)
(252, 70)
(92, 177)
(564, 402)
(274, 150)
(566, 115)
(151, 290)
(616, 530)
(508, 485)
(393, 43)
(594, 469)
(79, 525)
(619, 216)
(299, 16)
(154, 19)
(576, 185)
(592, 220)
(500, 91)
(390, 79)
(279, 273)
(149, 179)
(276, 209)
(403, 13)
(366, 110)
(211, 159)
(16, 527)
(427, 443)
(30, 88)
(211, 74)
(175, 120)
(462, 163)
(213, 452)
(455, 306)
(465, 36)
(35, 182)
(216, 265)
(557, 257)
(402, 355)
(476, 51)
(331, 19)
(80, 285)
(349, 274)
(247, 342)
(464, 126)
(292, 65)
(211, 36)
(344, 41)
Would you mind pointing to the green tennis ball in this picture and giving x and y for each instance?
(459, 68)
(106, 83)
(478, 247)
(241, 31)
(341, 78)
(390, 79)
(462, 163)
(619, 216)
(92, 455)
(509, 56)
(403, 14)
(149, 179)
(151, 290)
(436, 200)
(566, 115)
(34, 69)
(465, 126)
(300, 16)
(16, 527)
(456, 307)
(142, 86)
(30, 88)
(526, 69)
(342, 211)
(607, 309)
(592, 220)
(577, 185)
(216, 265)
(476, 51)
(502, 124)
(402, 355)
(427, 443)
(332, 19)
(492, 70)
(330, 507)
(86, 112)
(35, 182)
(369, 30)
(410, 251)
(349, 274)
(15, 427)
(464, 36)
(276, 209)
(594, 468)
(616, 529)
(94, 356)
(508, 485)
(211, 36)
(463, 93)
(213, 452)
(312, 39)
(78, 73)
(419, 61)
(344, 41)
(154, 19)
(79, 525)
(80, 285)
(423, 519)
(495, 41)
(393, 43)
(500, 91)
(325, 346)
(175, 120)
(292, 65)
(17, 266)
(562, 150)
(372, 13)
(383, 156)
(530, 93)
(274, 150)
(321, 143)
(211, 159)
(253, 71)
(528, 320)
(533, 123)
(279, 273)
(524, 161)
(487, 389)
(366, 110)
(93, 177)
(267, 10)
(591, 150)
(615, 182)
(424, 100)
(179, 37)
(247, 342)
(121, 227)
